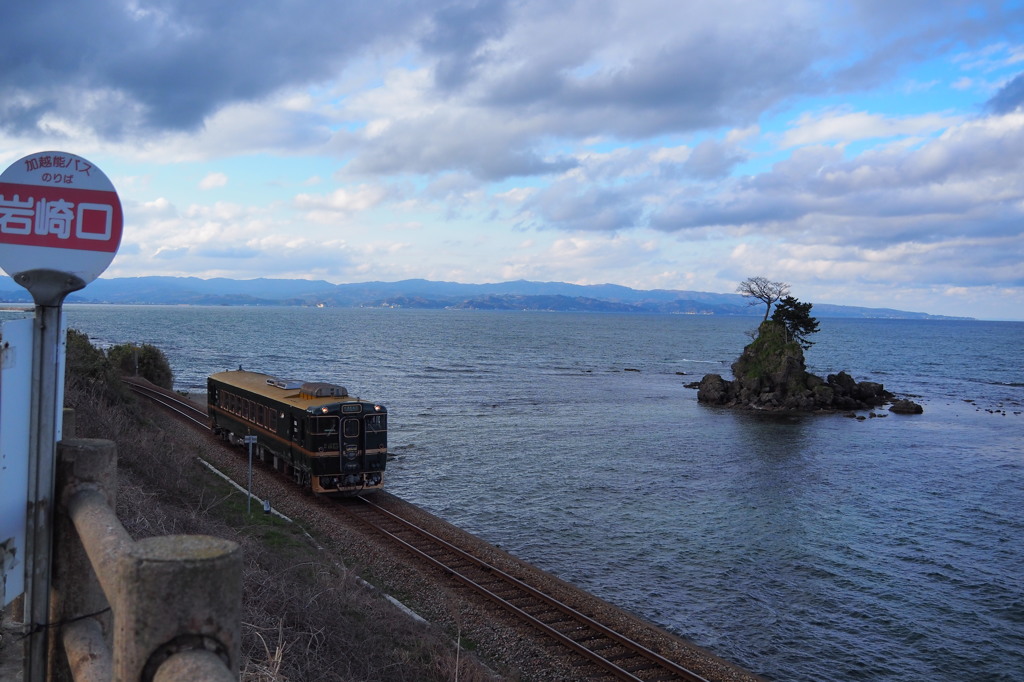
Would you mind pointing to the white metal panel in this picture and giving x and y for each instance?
(15, 407)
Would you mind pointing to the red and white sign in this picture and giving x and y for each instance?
(58, 212)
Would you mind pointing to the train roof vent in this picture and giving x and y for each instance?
(287, 384)
(318, 389)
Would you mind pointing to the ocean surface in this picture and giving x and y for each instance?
(802, 548)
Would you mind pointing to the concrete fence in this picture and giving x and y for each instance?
(160, 609)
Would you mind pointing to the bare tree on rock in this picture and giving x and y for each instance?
(762, 290)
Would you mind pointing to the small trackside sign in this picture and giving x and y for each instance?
(58, 212)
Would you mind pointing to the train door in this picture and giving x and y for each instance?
(350, 446)
(351, 431)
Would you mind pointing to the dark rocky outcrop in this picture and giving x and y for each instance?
(770, 375)
(906, 407)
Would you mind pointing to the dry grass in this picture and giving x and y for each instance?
(305, 617)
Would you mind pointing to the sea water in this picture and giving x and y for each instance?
(802, 548)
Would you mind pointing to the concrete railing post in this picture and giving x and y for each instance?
(175, 600)
(77, 597)
(179, 593)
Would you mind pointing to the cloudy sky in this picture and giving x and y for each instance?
(867, 152)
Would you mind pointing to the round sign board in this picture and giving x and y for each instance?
(58, 214)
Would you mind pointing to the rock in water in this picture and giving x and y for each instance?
(906, 407)
(770, 374)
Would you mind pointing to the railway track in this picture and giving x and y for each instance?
(602, 650)
(615, 654)
(169, 401)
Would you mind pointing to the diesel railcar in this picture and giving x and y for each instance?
(326, 440)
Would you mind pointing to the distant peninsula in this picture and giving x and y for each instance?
(425, 294)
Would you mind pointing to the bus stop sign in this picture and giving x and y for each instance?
(60, 219)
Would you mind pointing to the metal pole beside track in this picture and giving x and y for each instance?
(249, 440)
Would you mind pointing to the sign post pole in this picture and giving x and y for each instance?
(43, 436)
(249, 440)
(60, 227)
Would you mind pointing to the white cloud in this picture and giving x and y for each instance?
(340, 204)
(677, 154)
(213, 181)
(844, 127)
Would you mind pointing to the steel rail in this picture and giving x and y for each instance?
(184, 408)
(663, 663)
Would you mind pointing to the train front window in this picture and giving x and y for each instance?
(325, 425)
(351, 428)
(376, 423)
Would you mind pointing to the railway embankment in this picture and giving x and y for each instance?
(503, 643)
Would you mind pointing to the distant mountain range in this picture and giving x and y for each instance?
(424, 294)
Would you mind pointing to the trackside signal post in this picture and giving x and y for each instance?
(249, 441)
(60, 227)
